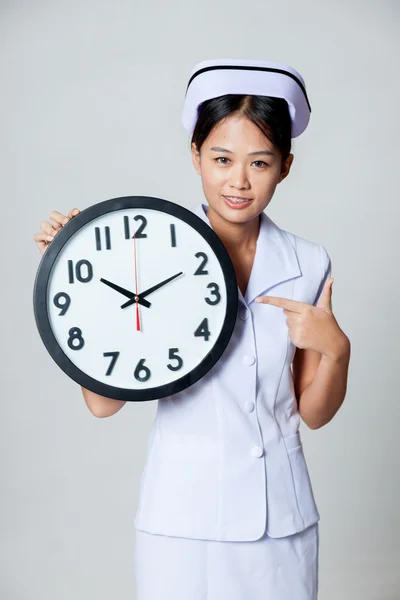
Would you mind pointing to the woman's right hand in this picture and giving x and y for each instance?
(49, 229)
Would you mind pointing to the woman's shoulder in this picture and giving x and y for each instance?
(307, 248)
(314, 262)
(310, 254)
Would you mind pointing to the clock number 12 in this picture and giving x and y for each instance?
(139, 231)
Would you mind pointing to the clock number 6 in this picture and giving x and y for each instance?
(140, 368)
(75, 334)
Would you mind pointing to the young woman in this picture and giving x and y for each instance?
(226, 509)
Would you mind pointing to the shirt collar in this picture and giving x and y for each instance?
(275, 260)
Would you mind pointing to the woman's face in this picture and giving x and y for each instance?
(240, 169)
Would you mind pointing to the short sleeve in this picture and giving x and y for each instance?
(326, 271)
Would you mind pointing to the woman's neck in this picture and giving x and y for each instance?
(237, 237)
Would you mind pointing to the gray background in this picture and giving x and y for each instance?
(90, 106)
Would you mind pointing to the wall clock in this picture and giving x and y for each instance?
(136, 298)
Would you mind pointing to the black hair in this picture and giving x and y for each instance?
(270, 114)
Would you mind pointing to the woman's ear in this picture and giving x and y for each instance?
(196, 158)
(286, 166)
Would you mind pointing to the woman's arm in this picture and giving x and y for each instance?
(315, 331)
(320, 400)
(101, 406)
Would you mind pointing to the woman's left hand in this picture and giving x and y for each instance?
(312, 327)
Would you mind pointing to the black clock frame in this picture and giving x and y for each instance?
(41, 308)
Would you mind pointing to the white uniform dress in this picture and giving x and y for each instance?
(226, 509)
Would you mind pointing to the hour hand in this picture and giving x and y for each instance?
(126, 293)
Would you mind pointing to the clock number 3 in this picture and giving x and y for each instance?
(214, 287)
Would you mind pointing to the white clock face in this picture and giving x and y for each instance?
(92, 293)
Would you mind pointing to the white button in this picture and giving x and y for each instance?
(249, 359)
(243, 314)
(257, 451)
(249, 406)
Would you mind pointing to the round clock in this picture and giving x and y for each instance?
(136, 298)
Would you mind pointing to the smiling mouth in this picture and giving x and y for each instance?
(237, 200)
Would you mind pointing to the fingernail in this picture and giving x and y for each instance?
(65, 221)
(258, 300)
(75, 211)
(49, 238)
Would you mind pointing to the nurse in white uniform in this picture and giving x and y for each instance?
(226, 508)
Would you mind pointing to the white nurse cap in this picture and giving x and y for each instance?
(213, 78)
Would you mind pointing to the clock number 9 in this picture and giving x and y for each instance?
(140, 368)
(65, 305)
(75, 334)
(214, 287)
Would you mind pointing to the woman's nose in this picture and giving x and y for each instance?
(239, 178)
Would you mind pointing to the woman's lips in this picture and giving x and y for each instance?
(238, 204)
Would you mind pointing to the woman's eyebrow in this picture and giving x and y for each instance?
(257, 153)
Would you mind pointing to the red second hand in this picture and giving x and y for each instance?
(136, 282)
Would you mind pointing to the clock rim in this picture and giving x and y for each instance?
(41, 288)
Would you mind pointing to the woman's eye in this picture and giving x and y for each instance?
(223, 160)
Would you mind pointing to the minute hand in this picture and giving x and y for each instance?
(151, 290)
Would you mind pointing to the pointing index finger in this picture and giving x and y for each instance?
(292, 305)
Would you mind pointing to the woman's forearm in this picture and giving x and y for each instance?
(322, 398)
(101, 406)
